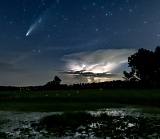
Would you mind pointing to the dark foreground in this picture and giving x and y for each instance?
(89, 125)
(82, 125)
(78, 100)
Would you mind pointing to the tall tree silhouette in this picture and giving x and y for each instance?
(157, 65)
(145, 66)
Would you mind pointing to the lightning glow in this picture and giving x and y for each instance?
(97, 66)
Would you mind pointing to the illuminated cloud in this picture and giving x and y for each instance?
(101, 65)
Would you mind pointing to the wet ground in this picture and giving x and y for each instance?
(121, 123)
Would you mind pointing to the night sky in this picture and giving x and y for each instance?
(77, 40)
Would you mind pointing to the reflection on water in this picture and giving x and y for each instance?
(18, 119)
(15, 120)
(117, 112)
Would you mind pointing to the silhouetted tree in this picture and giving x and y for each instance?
(145, 66)
(57, 80)
(55, 83)
(129, 76)
(157, 65)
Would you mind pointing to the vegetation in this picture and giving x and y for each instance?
(86, 125)
(56, 82)
(73, 119)
(102, 125)
(69, 100)
(145, 67)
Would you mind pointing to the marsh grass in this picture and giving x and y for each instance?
(56, 107)
(73, 119)
(102, 125)
(69, 100)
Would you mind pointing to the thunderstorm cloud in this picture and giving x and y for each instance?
(100, 65)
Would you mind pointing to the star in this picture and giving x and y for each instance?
(97, 29)
(145, 22)
(94, 4)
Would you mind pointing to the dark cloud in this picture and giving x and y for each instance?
(4, 66)
(83, 76)
(7, 67)
(91, 74)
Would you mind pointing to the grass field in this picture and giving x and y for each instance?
(75, 100)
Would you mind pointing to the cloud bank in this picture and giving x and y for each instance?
(97, 66)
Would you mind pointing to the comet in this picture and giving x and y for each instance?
(39, 21)
(31, 29)
(27, 33)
